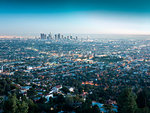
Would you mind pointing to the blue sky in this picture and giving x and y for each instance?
(29, 17)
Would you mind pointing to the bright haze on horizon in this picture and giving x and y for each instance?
(30, 17)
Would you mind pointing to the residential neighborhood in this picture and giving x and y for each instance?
(73, 75)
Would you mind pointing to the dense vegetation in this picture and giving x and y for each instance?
(128, 101)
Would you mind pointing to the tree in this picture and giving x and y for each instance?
(10, 106)
(69, 100)
(126, 102)
(33, 108)
(108, 108)
(143, 110)
(4, 86)
(22, 107)
(65, 90)
(95, 109)
(31, 92)
(13, 105)
(42, 100)
(143, 98)
(87, 107)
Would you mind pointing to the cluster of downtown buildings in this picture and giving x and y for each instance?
(58, 36)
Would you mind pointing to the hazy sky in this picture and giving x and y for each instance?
(29, 17)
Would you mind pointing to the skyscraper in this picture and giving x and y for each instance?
(55, 36)
(62, 36)
(76, 38)
(71, 37)
(49, 36)
(43, 36)
(59, 36)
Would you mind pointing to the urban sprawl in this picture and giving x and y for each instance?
(58, 73)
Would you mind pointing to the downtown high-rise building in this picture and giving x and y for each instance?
(55, 36)
(76, 38)
(43, 36)
(71, 37)
(59, 36)
(49, 36)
